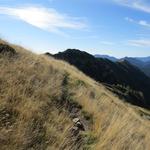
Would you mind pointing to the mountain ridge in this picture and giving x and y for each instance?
(143, 63)
(104, 70)
(106, 56)
(143, 59)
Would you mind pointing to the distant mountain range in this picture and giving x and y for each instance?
(106, 56)
(143, 63)
(145, 59)
(121, 77)
(112, 58)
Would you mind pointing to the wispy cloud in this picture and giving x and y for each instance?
(140, 43)
(45, 18)
(141, 5)
(85, 37)
(144, 23)
(139, 22)
(106, 43)
(129, 19)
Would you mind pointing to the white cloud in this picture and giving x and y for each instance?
(45, 18)
(144, 23)
(140, 22)
(140, 42)
(141, 5)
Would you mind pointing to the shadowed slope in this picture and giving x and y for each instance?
(106, 71)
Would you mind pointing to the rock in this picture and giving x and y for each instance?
(80, 126)
(7, 50)
(75, 130)
(75, 120)
(77, 126)
(7, 115)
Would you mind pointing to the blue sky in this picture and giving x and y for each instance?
(114, 27)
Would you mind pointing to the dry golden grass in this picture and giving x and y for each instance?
(36, 95)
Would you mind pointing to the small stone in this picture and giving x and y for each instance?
(74, 128)
(46, 142)
(75, 131)
(7, 115)
(75, 120)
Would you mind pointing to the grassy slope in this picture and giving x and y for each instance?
(39, 96)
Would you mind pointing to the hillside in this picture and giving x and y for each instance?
(144, 59)
(141, 63)
(41, 100)
(120, 73)
(146, 68)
